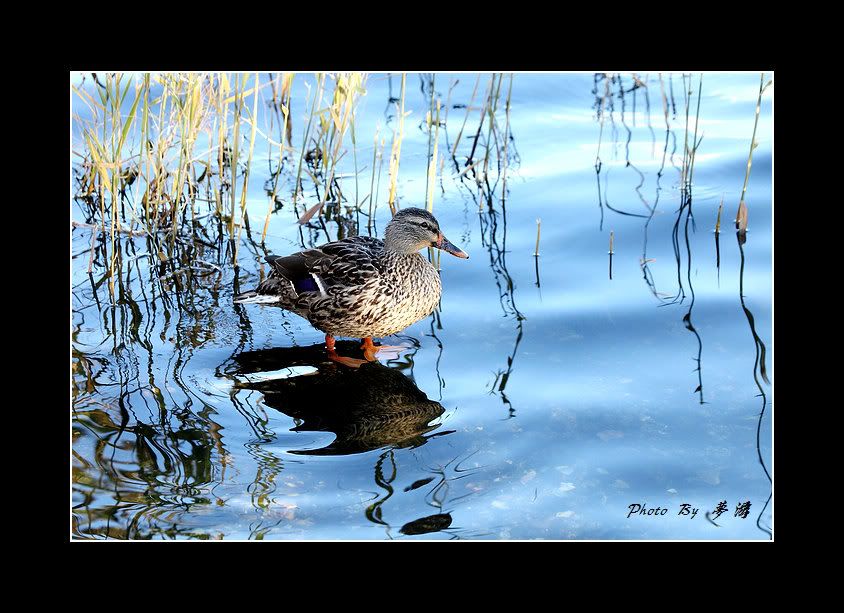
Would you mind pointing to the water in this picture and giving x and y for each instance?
(540, 402)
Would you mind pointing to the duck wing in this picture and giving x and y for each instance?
(313, 273)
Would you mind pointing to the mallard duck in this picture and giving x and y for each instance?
(361, 286)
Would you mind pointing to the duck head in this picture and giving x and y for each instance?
(413, 229)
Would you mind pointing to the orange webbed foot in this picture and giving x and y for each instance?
(389, 352)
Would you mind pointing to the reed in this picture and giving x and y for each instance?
(433, 121)
(429, 116)
(611, 252)
(451, 85)
(476, 138)
(377, 184)
(334, 122)
(347, 89)
(395, 155)
(604, 98)
(684, 173)
(695, 141)
(507, 138)
(741, 214)
(106, 170)
(372, 180)
(247, 171)
(466, 117)
(718, 219)
(492, 132)
(538, 232)
(159, 153)
(355, 159)
(182, 109)
(239, 87)
(222, 146)
(317, 96)
(191, 113)
(433, 125)
(286, 91)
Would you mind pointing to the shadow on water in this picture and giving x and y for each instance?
(367, 408)
(370, 408)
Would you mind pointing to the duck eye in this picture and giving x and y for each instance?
(427, 226)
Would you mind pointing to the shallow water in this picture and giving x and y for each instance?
(540, 401)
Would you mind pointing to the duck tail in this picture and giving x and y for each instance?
(253, 297)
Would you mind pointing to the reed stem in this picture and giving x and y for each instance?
(741, 215)
(248, 170)
(432, 164)
(396, 150)
(718, 219)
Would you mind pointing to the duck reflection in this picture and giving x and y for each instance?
(368, 408)
(426, 525)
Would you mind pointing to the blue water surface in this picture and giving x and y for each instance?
(566, 395)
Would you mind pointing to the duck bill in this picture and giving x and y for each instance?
(444, 244)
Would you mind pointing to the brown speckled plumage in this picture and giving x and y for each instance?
(362, 286)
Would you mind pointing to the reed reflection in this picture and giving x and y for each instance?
(645, 261)
(147, 450)
(683, 224)
(613, 86)
(604, 106)
(759, 370)
(499, 147)
(494, 237)
(152, 478)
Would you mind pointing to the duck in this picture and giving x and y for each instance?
(361, 286)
